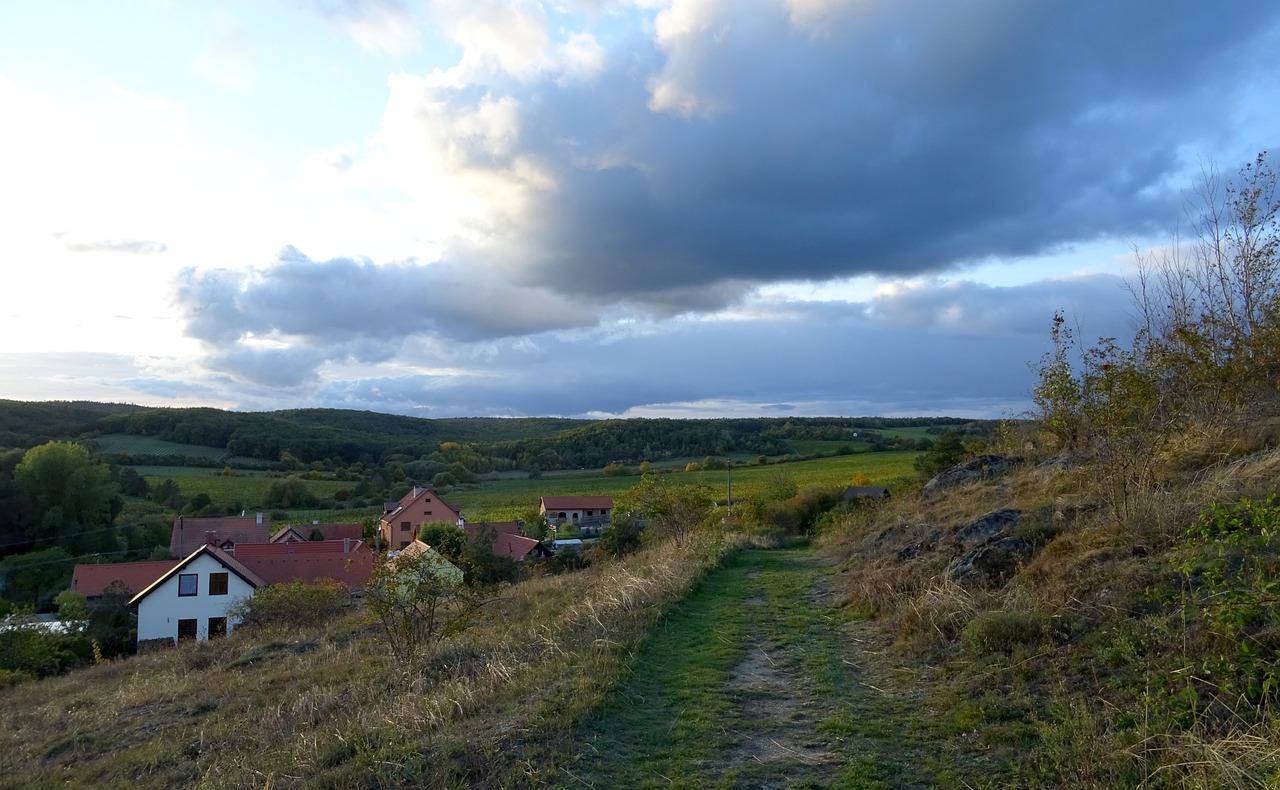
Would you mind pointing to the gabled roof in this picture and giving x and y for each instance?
(506, 544)
(351, 569)
(92, 580)
(577, 502)
(190, 534)
(307, 547)
(302, 532)
(225, 559)
(407, 501)
(501, 527)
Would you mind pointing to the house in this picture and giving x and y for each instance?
(590, 514)
(865, 493)
(92, 580)
(190, 534)
(506, 540)
(399, 524)
(296, 533)
(195, 597)
(440, 566)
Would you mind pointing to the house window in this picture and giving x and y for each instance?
(186, 629)
(217, 626)
(428, 512)
(188, 585)
(404, 544)
(218, 583)
(404, 526)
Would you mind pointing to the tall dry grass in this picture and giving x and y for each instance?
(287, 707)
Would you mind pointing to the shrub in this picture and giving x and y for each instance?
(292, 604)
(1003, 631)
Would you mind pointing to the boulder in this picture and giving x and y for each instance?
(989, 526)
(980, 468)
(992, 562)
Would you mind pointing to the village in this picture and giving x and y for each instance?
(216, 563)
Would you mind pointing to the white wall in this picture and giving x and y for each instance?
(159, 612)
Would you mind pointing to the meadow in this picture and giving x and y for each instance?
(507, 496)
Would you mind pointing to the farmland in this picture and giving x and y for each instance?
(503, 497)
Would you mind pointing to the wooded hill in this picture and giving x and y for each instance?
(336, 437)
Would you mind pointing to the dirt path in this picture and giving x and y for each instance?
(756, 680)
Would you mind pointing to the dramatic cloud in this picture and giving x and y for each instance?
(759, 142)
(278, 324)
(604, 207)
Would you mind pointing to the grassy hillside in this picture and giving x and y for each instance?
(327, 707)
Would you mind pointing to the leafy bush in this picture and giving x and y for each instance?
(1231, 566)
(292, 604)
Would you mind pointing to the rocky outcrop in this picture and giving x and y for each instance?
(980, 468)
(992, 562)
(989, 526)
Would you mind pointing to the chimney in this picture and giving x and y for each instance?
(259, 518)
(346, 545)
(461, 521)
(211, 537)
(417, 491)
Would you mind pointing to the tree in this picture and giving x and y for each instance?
(445, 538)
(623, 535)
(71, 494)
(290, 492)
(946, 452)
(34, 578)
(416, 601)
(672, 509)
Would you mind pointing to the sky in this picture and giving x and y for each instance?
(598, 208)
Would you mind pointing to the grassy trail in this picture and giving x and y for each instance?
(756, 680)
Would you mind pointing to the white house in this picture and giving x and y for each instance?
(194, 599)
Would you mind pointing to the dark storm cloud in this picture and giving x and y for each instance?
(817, 358)
(350, 309)
(906, 139)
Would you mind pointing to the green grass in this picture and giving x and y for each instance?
(248, 491)
(746, 682)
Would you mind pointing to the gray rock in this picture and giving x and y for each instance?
(989, 526)
(992, 562)
(980, 468)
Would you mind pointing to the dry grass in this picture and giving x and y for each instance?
(287, 708)
(1085, 648)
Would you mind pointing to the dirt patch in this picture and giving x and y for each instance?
(779, 720)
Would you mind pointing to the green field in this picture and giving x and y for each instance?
(248, 491)
(501, 500)
(508, 496)
(129, 444)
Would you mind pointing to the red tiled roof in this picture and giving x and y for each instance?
(190, 534)
(501, 527)
(307, 547)
(329, 531)
(505, 544)
(91, 580)
(577, 502)
(352, 569)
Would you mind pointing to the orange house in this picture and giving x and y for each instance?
(400, 522)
